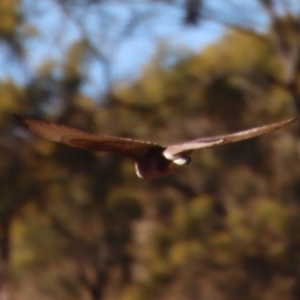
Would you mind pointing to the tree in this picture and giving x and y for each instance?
(81, 225)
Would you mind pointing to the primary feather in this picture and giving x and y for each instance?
(85, 140)
(173, 150)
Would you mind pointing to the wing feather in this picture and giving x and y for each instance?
(81, 139)
(191, 146)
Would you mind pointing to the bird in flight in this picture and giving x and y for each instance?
(151, 160)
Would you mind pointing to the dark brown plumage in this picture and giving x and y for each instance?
(151, 160)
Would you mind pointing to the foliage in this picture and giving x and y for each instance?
(81, 225)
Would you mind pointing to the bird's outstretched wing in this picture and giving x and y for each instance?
(81, 139)
(191, 146)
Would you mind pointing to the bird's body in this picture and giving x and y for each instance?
(151, 160)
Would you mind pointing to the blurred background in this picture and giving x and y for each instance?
(81, 225)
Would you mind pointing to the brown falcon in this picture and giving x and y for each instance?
(151, 160)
